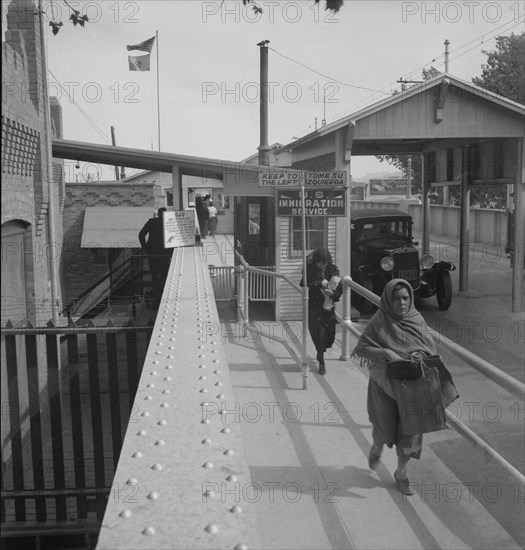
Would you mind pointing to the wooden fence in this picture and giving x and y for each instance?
(68, 400)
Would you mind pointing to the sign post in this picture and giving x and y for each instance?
(305, 290)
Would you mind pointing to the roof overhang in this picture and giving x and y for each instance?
(154, 160)
(395, 145)
(114, 227)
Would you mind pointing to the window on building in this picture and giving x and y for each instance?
(169, 198)
(316, 234)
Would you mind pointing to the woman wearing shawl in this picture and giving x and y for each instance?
(323, 283)
(393, 333)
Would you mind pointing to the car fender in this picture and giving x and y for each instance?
(367, 270)
(444, 266)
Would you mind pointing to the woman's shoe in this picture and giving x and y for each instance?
(374, 457)
(404, 486)
(322, 368)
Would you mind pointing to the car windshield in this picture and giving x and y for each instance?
(397, 229)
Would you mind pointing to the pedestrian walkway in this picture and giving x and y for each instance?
(307, 453)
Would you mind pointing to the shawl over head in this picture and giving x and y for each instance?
(401, 334)
(319, 255)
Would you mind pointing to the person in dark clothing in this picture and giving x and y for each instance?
(203, 214)
(158, 256)
(324, 288)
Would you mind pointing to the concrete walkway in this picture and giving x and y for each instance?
(307, 453)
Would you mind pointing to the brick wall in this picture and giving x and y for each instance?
(84, 266)
(25, 198)
(24, 153)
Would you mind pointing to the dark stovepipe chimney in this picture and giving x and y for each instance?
(264, 149)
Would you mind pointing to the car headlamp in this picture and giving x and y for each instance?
(427, 261)
(387, 263)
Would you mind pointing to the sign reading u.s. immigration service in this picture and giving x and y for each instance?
(179, 228)
(317, 202)
(308, 179)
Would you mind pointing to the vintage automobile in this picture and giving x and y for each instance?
(382, 248)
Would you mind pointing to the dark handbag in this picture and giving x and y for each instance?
(420, 403)
(403, 369)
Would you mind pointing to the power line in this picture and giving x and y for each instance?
(482, 37)
(325, 76)
(82, 112)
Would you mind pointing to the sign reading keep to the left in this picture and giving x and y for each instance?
(179, 228)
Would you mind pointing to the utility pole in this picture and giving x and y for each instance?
(323, 123)
(445, 188)
(54, 277)
(446, 55)
(264, 149)
(113, 142)
(409, 177)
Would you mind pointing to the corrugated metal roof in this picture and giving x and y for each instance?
(116, 227)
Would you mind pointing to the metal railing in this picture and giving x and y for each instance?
(246, 276)
(513, 386)
(131, 269)
(223, 282)
(261, 287)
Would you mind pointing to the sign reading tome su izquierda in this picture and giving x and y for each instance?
(308, 179)
(317, 202)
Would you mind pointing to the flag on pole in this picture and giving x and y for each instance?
(145, 46)
(139, 62)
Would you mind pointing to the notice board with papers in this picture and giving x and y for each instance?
(179, 228)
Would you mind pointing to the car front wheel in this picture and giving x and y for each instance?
(444, 290)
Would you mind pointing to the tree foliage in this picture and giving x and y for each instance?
(504, 72)
(74, 18)
(331, 5)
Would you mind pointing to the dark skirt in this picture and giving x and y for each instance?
(386, 424)
(321, 324)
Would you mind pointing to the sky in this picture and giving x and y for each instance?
(321, 66)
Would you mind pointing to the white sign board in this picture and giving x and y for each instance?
(279, 179)
(328, 179)
(179, 228)
(308, 179)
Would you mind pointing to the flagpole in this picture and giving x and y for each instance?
(158, 90)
